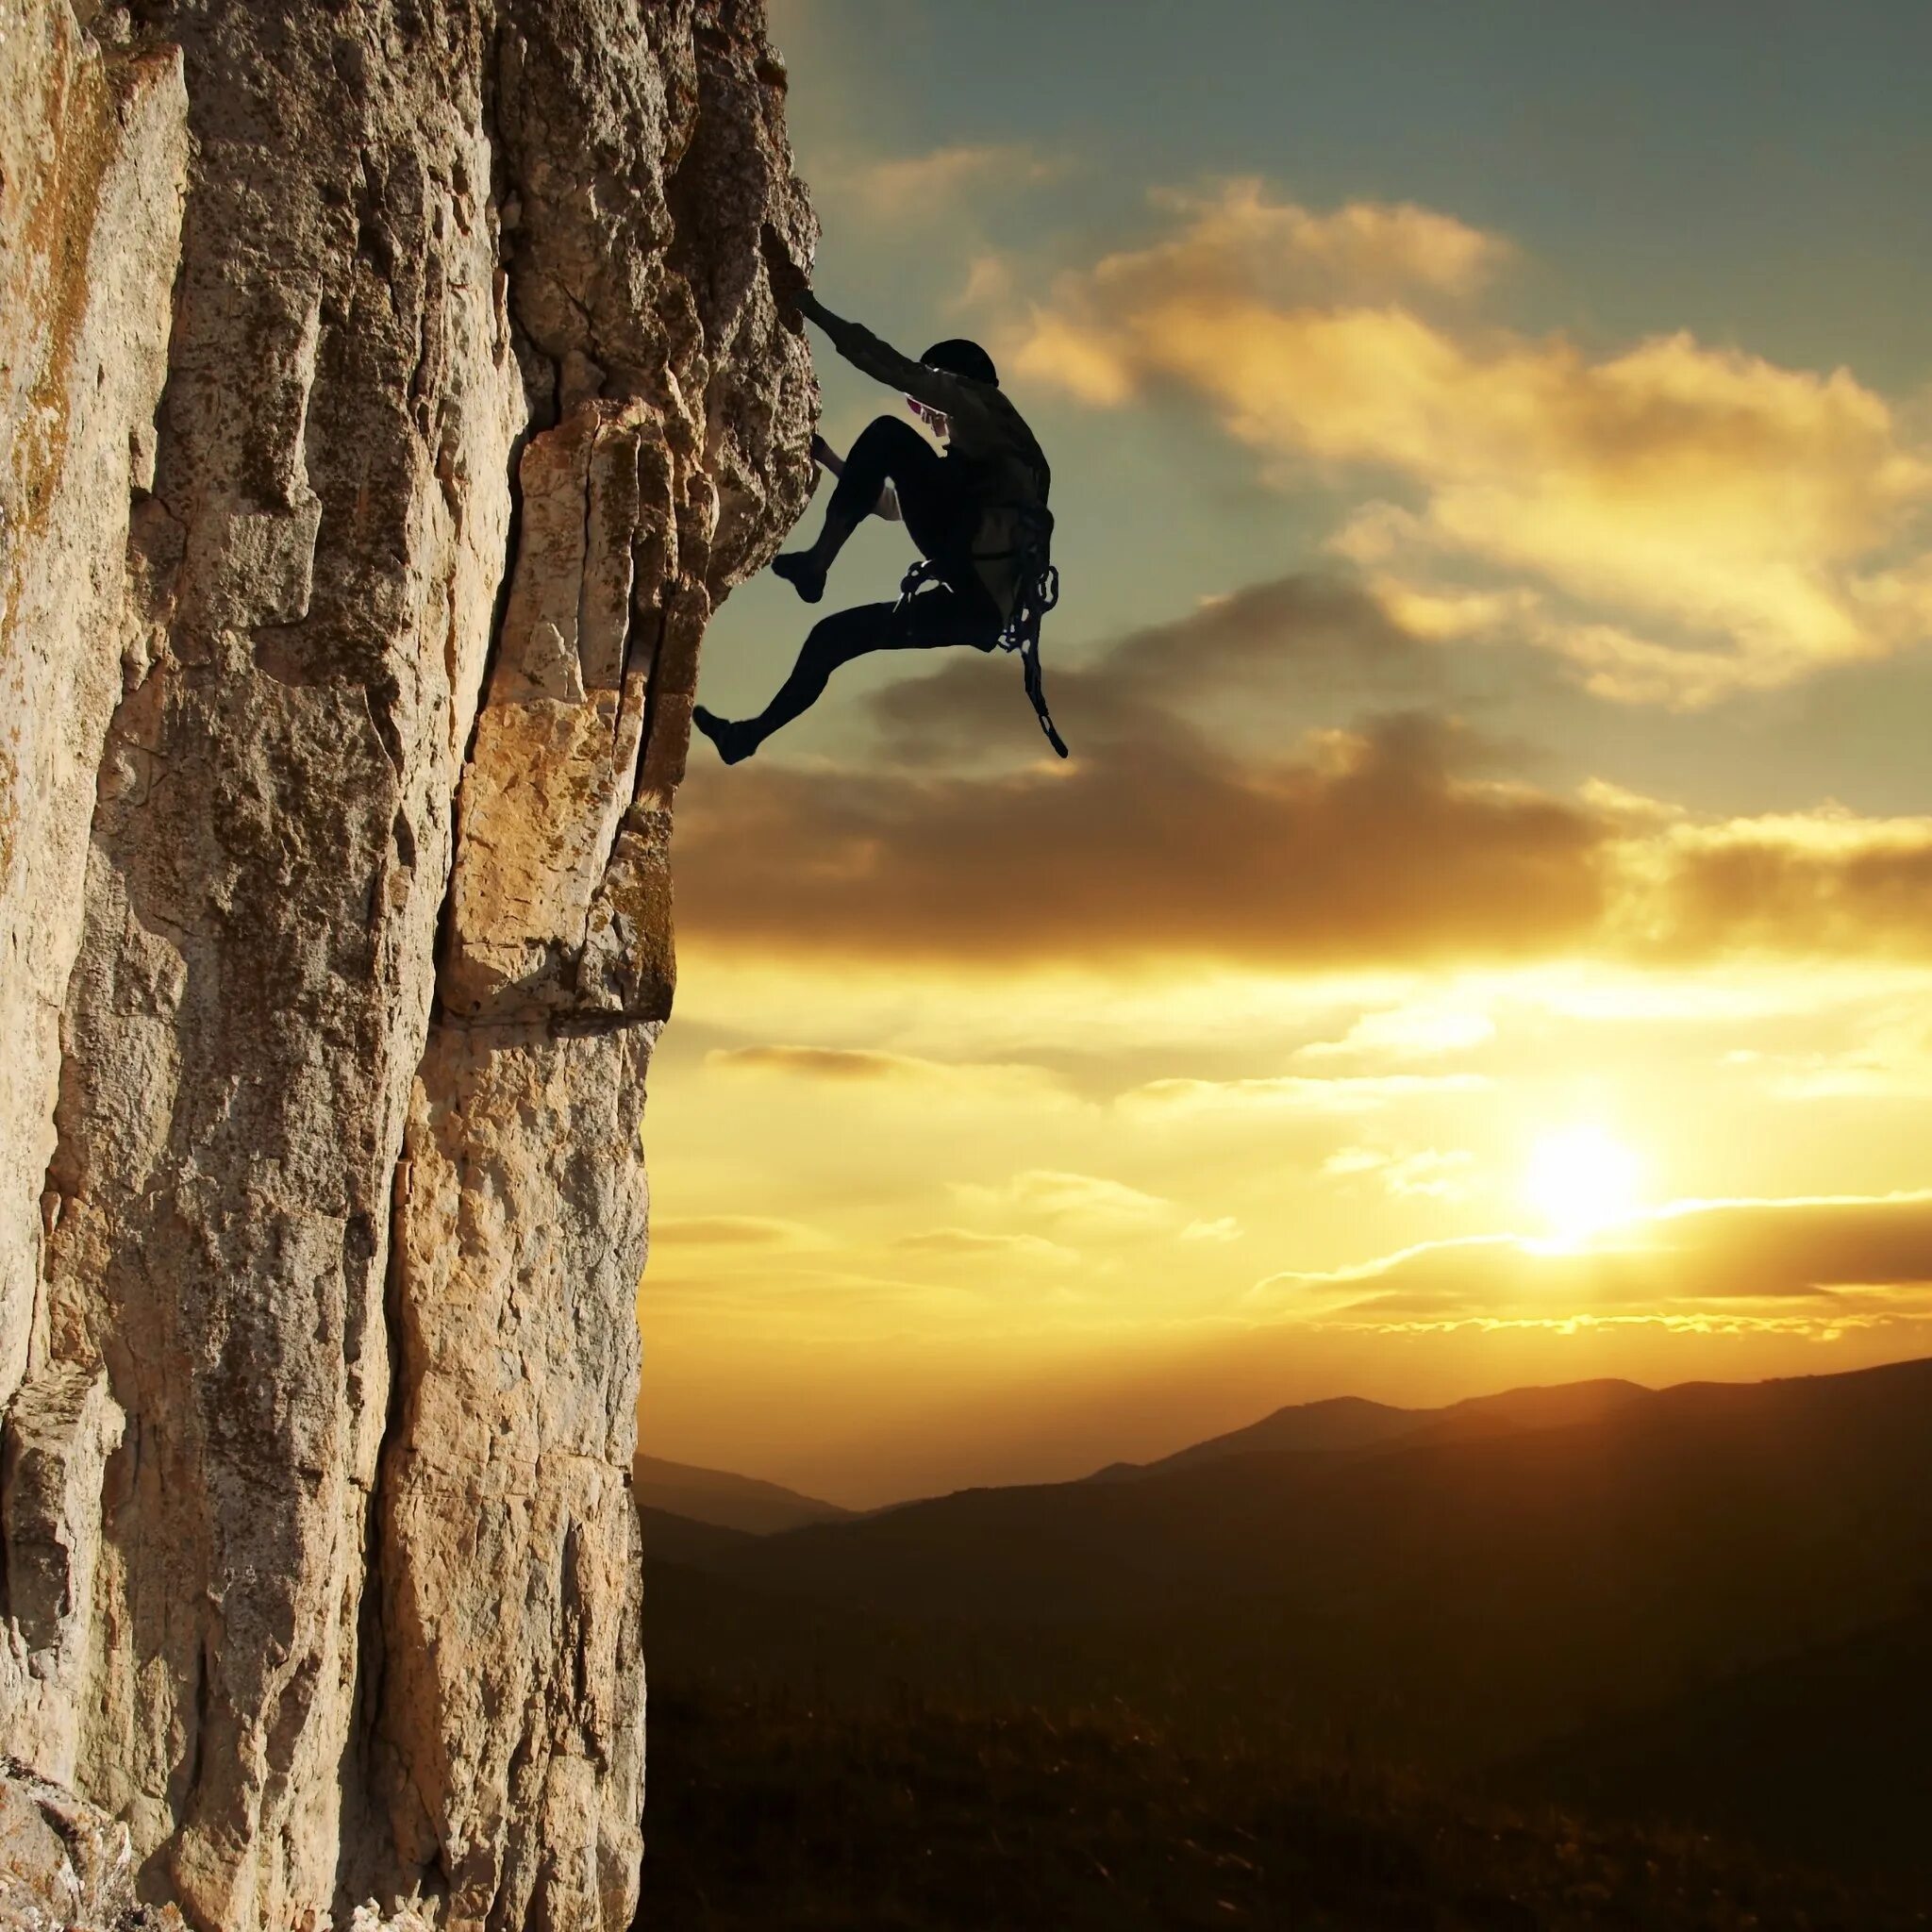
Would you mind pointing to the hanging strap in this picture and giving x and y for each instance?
(1038, 592)
(1029, 659)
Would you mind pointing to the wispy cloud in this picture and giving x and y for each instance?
(1822, 881)
(973, 1244)
(870, 1067)
(1845, 1259)
(1429, 1173)
(1234, 243)
(918, 186)
(728, 1231)
(1292, 1093)
(1223, 1228)
(1423, 1029)
(1085, 1205)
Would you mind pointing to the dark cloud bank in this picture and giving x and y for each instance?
(1401, 839)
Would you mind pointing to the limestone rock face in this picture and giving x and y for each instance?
(93, 157)
(65, 1866)
(389, 391)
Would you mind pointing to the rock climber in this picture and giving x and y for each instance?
(977, 513)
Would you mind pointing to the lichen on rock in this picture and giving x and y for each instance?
(391, 391)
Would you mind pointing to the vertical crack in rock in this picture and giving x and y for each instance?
(320, 1234)
(511, 1720)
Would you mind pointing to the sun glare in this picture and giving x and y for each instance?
(1581, 1181)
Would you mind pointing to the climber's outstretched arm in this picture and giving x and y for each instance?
(938, 388)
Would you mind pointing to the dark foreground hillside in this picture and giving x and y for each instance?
(1827, 1755)
(769, 1814)
(1177, 1697)
(1461, 1604)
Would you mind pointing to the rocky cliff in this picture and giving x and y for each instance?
(389, 391)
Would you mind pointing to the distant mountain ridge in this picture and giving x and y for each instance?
(724, 1501)
(1460, 1591)
(1350, 1422)
(1787, 1452)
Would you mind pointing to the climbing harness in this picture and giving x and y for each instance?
(1039, 591)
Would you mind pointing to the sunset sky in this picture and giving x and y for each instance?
(1484, 934)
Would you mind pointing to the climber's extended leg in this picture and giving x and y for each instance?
(888, 450)
(933, 619)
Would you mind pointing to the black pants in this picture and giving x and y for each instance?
(941, 519)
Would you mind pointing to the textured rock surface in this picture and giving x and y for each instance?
(94, 155)
(391, 389)
(65, 1866)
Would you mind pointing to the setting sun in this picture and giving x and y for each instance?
(1581, 1181)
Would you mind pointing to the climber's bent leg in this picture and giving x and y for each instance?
(932, 620)
(834, 640)
(887, 451)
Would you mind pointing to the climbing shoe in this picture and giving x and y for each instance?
(732, 737)
(801, 572)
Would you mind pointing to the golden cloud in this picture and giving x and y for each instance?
(1080, 1204)
(1429, 1173)
(1825, 881)
(1401, 841)
(1849, 1261)
(1372, 845)
(728, 1231)
(972, 1244)
(1233, 239)
(1748, 509)
(871, 1066)
(1421, 1030)
(816, 1062)
(912, 186)
(1223, 1227)
(1291, 1093)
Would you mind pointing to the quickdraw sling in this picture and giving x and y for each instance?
(1039, 591)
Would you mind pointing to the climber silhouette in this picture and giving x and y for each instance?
(977, 514)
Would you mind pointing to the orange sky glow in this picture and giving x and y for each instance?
(1484, 935)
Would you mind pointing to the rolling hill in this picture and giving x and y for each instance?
(1456, 1596)
(1824, 1754)
(730, 1502)
(1348, 1421)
